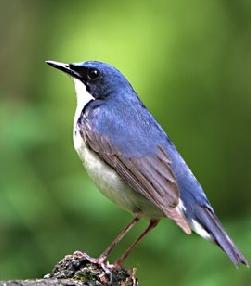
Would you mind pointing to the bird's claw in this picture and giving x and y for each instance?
(101, 261)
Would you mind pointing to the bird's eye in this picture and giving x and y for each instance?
(93, 74)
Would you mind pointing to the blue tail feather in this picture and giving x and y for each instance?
(212, 225)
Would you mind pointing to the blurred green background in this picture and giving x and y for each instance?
(190, 61)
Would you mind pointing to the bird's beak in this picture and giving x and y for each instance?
(67, 68)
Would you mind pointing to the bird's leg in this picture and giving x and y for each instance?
(152, 224)
(103, 257)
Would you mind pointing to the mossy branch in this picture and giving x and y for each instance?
(81, 270)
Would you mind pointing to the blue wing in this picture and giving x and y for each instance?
(133, 131)
(142, 163)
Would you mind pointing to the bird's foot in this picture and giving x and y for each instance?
(101, 261)
(111, 272)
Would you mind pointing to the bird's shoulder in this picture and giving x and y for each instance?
(129, 126)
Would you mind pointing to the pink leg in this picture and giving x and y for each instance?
(103, 257)
(152, 224)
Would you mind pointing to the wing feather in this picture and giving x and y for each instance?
(150, 176)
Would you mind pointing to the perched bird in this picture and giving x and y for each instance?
(133, 161)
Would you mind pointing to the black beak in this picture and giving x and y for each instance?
(67, 68)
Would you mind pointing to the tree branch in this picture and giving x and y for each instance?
(81, 270)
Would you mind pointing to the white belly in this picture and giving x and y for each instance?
(111, 185)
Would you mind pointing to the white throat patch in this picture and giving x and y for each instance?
(83, 97)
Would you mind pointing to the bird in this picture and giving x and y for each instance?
(133, 161)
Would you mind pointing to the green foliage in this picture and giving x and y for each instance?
(190, 63)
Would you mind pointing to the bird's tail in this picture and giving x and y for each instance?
(211, 224)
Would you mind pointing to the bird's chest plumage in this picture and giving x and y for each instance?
(110, 184)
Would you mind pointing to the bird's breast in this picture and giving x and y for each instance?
(109, 182)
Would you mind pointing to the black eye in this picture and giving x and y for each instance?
(93, 74)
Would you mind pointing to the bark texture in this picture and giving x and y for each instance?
(81, 270)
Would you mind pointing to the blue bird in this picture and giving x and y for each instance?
(133, 161)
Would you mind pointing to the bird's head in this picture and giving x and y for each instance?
(100, 79)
